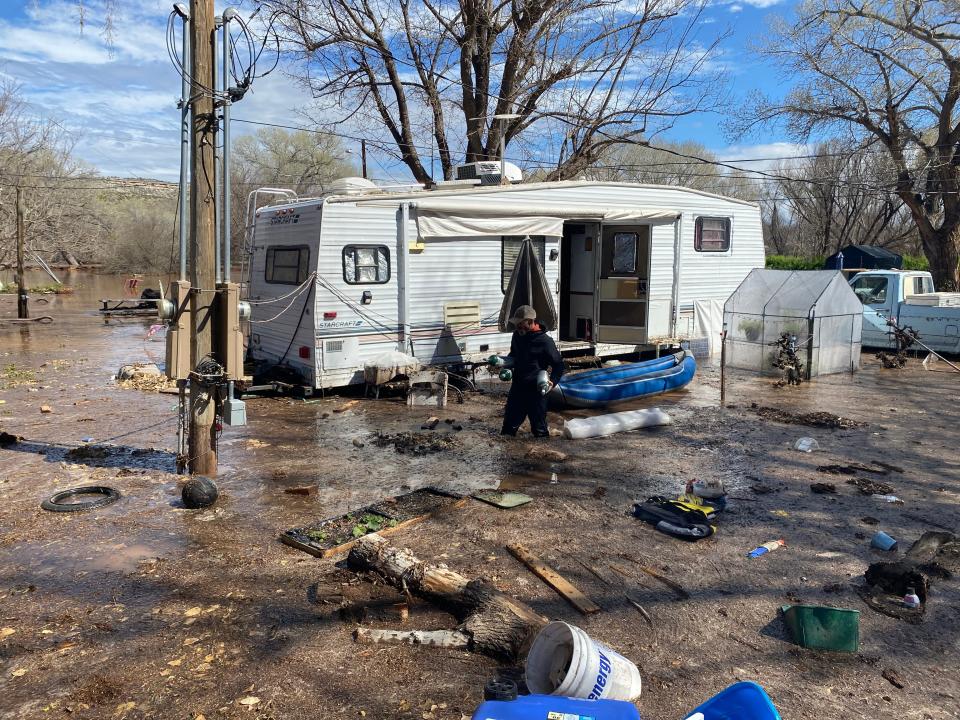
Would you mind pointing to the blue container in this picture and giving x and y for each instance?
(742, 701)
(539, 707)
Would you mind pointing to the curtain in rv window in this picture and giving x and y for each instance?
(711, 234)
(510, 249)
(366, 264)
(287, 265)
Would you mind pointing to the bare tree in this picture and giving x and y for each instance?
(684, 164)
(580, 75)
(887, 74)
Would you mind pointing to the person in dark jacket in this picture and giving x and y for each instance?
(532, 350)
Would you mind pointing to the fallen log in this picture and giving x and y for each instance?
(497, 624)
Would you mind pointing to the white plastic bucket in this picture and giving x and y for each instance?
(564, 660)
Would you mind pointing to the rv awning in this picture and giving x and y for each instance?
(470, 217)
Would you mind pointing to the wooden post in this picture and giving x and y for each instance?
(202, 434)
(22, 311)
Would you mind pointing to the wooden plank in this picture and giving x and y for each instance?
(672, 584)
(432, 638)
(554, 579)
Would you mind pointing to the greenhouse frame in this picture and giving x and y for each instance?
(816, 306)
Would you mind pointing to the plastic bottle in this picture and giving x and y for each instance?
(911, 599)
(889, 498)
(543, 382)
(806, 444)
(765, 548)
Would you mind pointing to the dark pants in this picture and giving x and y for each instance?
(525, 401)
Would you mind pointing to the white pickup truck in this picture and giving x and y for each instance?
(909, 299)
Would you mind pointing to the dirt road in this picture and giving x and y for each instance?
(143, 609)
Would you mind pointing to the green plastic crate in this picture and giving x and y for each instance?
(823, 628)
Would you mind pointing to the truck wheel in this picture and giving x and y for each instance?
(105, 496)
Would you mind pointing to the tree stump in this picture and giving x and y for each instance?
(497, 624)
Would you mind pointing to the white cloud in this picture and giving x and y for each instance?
(735, 8)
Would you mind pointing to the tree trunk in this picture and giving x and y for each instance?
(497, 624)
(942, 248)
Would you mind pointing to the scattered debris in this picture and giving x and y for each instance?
(551, 577)
(823, 488)
(88, 452)
(46, 409)
(869, 520)
(893, 677)
(815, 419)
(766, 548)
(639, 608)
(346, 406)
(430, 423)
(144, 376)
(672, 584)
(537, 452)
(6, 439)
(854, 468)
(416, 444)
(761, 489)
(823, 628)
(870, 487)
(806, 444)
(301, 490)
(357, 443)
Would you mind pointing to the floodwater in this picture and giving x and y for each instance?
(184, 612)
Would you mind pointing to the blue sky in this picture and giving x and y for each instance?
(119, 99)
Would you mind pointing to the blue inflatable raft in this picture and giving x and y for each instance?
(596, 388)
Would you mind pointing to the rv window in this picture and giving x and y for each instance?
(287, 265)
(366, 264)
(624, 253)
(510, 250)
(711, 234)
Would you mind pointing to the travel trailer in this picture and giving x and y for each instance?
(338, 280)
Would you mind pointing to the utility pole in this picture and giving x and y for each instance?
(202, 439)
(363, 158)
(22, 311)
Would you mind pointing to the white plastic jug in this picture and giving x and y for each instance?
(564, 660)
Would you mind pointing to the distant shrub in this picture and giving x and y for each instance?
(794, 262)
(915, 262)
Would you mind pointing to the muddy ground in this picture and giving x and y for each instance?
(143, 609)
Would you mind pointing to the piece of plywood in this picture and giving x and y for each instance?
(504, 499)
(554, 579)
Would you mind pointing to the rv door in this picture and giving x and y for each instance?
(623, 284)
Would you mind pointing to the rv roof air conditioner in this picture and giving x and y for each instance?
(488, 172)
(353, 186)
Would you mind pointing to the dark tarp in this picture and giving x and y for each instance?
(868, 257)
(528, 286)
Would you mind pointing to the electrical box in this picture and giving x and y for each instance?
(178, 332)
(228, 337)
(234, 412)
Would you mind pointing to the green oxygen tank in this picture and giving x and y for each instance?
(506, 375)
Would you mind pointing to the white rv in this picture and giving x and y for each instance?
(337, 280)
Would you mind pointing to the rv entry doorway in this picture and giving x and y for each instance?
(578, 281)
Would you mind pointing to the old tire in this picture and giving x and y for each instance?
(105, 496)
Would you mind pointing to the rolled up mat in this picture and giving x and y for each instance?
(601, 425)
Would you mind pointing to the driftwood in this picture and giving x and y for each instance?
(496, 624)
(551, 577)
(433, 638)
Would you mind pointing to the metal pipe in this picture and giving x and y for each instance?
(185, 122)
(402, 250)
(217, 195)
(228, 14)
